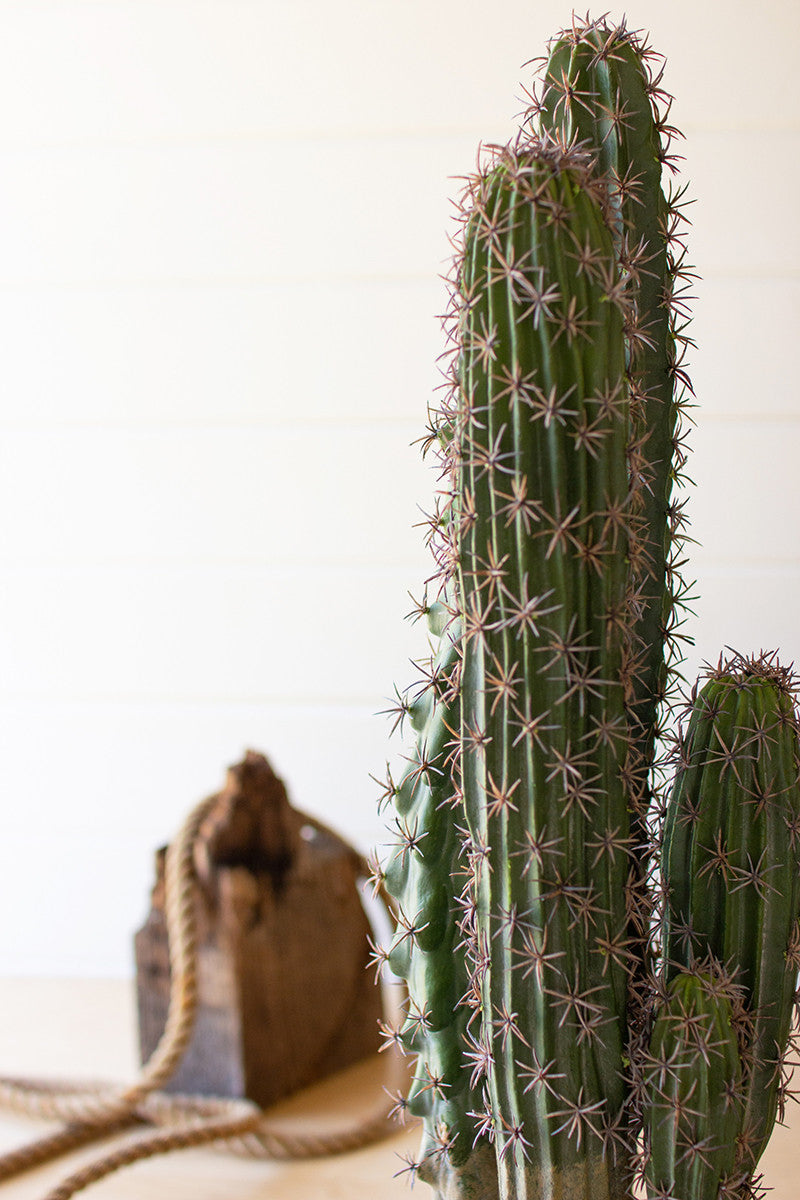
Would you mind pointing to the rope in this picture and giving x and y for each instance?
(91, 1111)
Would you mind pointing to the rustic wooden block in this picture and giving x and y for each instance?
(285, 997)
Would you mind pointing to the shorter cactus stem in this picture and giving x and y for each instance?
(731, 865)
(692, 1113)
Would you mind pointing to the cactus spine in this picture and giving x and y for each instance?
(597, 1055)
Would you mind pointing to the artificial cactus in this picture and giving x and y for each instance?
(608, 1056)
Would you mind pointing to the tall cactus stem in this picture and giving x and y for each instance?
(599, 91)
(542, 429)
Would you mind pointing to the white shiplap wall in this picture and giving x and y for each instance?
(221, 228)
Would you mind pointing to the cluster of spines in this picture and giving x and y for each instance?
(731, 872)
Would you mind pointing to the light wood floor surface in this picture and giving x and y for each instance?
(86, 1029)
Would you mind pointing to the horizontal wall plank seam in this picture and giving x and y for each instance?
(344, 135)
(747, 564)
(405, 427)
(44, 283)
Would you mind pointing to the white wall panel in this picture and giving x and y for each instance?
(227, 210)
(739, 226)
(745, 364)
(333, 350)
(147, 762)
(359, 206)
(746, 502)
(748, 608)
(231, 633)
(77, 883)
(744, 511)
(303, 494)
(132, 69)
(221, 226)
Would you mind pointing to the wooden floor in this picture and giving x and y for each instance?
(85, 1029)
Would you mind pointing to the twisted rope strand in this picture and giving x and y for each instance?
(135, 1150)
(44, 1149)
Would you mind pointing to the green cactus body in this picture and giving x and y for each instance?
(422, 874)
(538, 1018)
(542, 496)
(731, 863)
(693, 1078)
(597, 91)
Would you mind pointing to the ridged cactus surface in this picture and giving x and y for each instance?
(427, 951)
(731, 863)
(601, 89)
(541, 434)
(693, 1083)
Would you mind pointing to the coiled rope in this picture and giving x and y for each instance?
(167, 1123)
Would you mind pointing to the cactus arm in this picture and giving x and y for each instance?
(542, 581)
(692, 1116)
(732, 866)
(422, 873)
